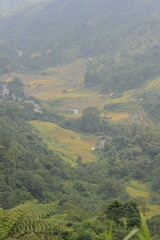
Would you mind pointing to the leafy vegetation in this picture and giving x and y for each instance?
(32, 221)
(59, 136)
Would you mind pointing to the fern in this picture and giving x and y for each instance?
(32, 221)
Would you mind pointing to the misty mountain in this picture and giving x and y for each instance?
(11, 5)
(122, 37)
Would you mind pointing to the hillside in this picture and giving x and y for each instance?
(120, 38)
(79, 119)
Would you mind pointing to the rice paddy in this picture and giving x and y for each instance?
(115, 116)
(127, 95)
(73, 72)
(137, 189)
(153, 84)
(69, 144)
(65, 84)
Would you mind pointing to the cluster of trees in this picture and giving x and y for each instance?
(90, 122)
(151, 104)
(135, 153)
(35, 221)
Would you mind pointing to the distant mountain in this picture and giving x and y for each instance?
(122, 37)
(10, 5)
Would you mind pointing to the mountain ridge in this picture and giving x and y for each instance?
(118, 35)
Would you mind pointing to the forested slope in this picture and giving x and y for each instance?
(30, 171)
(97, 49)
(122, 38)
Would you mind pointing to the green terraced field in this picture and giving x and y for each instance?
(137, 189)
(68, 143)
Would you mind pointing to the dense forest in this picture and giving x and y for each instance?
(79, 120)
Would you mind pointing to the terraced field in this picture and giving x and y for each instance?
(115, 116)
(140, 190)
(69, 144)
(153, 84)
(73, 73)
(124, 99)
(65, 84)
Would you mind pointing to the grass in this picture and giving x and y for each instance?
(65, 141)
(137, 189)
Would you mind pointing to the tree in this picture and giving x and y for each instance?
(90, 121)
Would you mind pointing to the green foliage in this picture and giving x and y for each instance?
(131, 234)
(118, 211)
(15, 88)
(108, 235)
(144, 233)
(31, 221)
(29, 170)
(90, 121)
(154, 226)
(151, 104)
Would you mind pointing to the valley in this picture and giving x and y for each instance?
(79, 120)
(62, 89)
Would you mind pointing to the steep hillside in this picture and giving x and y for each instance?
(121, 39)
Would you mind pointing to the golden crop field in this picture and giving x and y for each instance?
(62, 86)
(153, 84)
(116, 116)
(42, 85)
(137, 189)
(68, 142)
(62, 92)
(125, 98)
